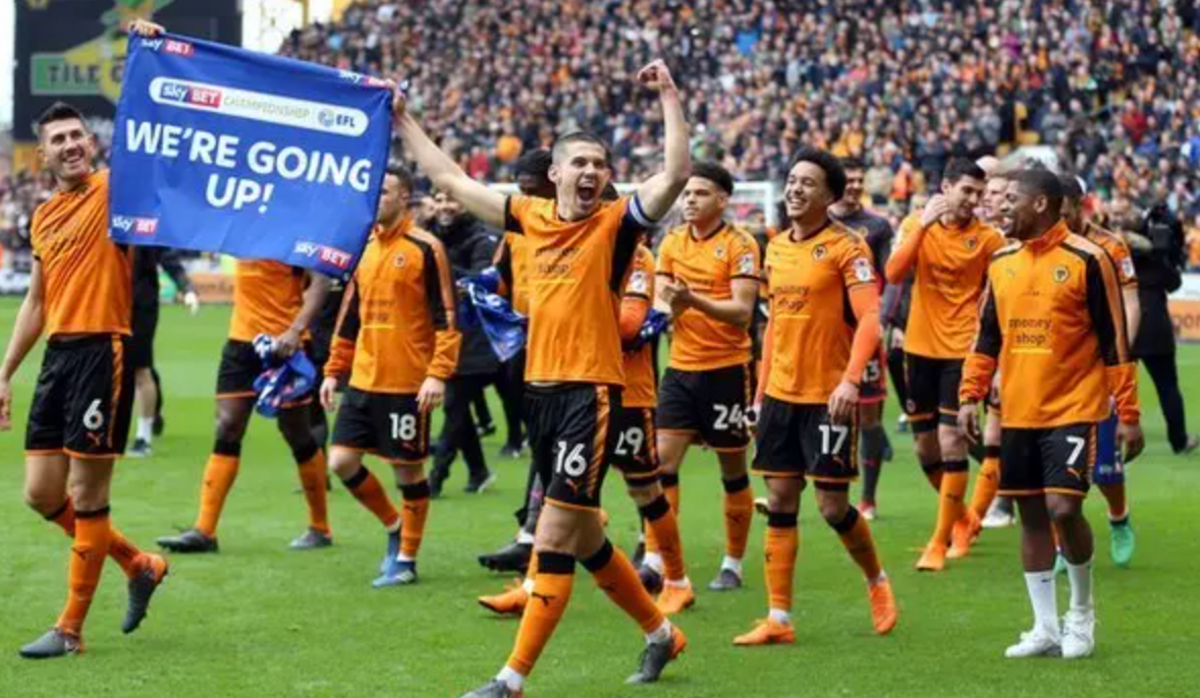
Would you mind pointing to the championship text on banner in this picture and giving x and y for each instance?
(224, 150)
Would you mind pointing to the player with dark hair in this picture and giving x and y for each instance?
(708, 273)
(823, 329)
(949, 249)
(579, 250)
(395, 347)
(1063, 360)
(79, 418)
(1109, 474)
(849, 211)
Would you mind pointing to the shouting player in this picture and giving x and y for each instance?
(849, 211)
(823, 329)
(1063, 358)
(397, 342)
(580, 249)
(80, 295)
(949, 249)
(708, 271)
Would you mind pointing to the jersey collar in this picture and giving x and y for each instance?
(713, 234)
(1051, 238)
(400, 228)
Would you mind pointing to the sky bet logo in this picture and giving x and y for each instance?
(189, 94)
(138, 226)
(329, 255)
(179, 48)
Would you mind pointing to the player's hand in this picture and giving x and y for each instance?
(678, 295)
(144, 27)
(5, 405)
(432, 392)
(327, 393)
(753, 412)
(843, 402)
(937, 207)
(656, 76)
(399, 99)
(968, 422)
(897, 338)
(1130, 440)
(192, 301)
(287, 343)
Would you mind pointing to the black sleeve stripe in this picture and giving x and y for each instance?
(511, 224)
(349, 321)
(987, 335)
(433, 285)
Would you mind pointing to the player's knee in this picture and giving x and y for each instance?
(344, 463)
(409, 473)
(1064, 509)
(783, 494)
(950, 441)
(868, 416)
(43, 499)
(833, 507)
(230, 427)
(643, 493)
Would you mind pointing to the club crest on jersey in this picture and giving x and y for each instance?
(1061, 275)
(971, 244)
(819, 252)
(719, 253)
(637, 282)
(400, 261)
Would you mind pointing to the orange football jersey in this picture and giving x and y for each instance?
(267, 297)
(951, 266)
(641, 384)
(575, 273)
(1116, 248)
(396, 326)
(1053, 323)
(88, 279)
(812, 323)
(709, 267)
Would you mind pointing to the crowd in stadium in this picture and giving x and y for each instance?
(1112, 87)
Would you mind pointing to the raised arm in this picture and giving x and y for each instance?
(482, 202)
(26, 330)
(658, 193)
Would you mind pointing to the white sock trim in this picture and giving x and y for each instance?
(654, 561)
(514, 679)
(780, 616)
(524, 537)
(733, 564)
(660, 634)
(145, 428)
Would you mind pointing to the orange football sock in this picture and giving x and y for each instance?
(855, 535)
(532, 570)
(615, 574)
(670, 484)
(663, 527)
(739, 512)
(219, 474)
(987, 482)
(413, 512)
(782, 547)
(93, 531)
(313, 478)
(547, 602)
(950, 501)
(367, 489)
(120, 549)
(1115, 496)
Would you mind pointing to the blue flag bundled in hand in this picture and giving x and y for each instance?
(655, 324)
(220, 149)
(480, 305)
(283, 380)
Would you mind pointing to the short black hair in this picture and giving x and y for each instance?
(402, 173)
(714, 173)
(578, 137)
(1041, 182)
(835, 174)
(958, 168)
(535, 163)
(610, 193)
(852, 162)
(1071, 188)
(59, 111)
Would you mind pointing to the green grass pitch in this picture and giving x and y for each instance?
(260, 621)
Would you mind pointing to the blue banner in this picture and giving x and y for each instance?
(220, 149)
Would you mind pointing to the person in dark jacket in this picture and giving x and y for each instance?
(1158, 256)
(146, 262)
(469, 246)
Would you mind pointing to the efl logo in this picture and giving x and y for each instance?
(180, 48)
(334, 120)
(335, 257)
